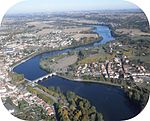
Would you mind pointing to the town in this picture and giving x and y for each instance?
(24, 36)
(117, 67)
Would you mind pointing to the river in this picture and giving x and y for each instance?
(111, 101)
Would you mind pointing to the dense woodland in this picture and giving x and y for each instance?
(79, 109)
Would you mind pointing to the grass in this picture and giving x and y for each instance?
(96, 58)
(100, 56)
(56, 57)
(40, 95)
(128, 53)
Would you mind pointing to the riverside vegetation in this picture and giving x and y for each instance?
(69, 106)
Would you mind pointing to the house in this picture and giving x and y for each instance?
(50, 111)
(3, 89)
(10, 86)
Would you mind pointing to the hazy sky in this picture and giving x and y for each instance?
(28, 6)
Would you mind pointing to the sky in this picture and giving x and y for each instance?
(30, 6)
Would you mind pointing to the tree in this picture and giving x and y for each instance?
(92, 117)
(81, 104)
(81, 54)
(99, 117)
(22, 104)
(92, 110)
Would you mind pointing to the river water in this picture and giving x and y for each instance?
(111, 101)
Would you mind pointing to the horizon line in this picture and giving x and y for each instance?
(65, 11)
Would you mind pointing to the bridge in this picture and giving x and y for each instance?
(43, 77)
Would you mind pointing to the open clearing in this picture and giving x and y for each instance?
(37, 24)
(64, 62)
(77, 30)
(133, 32)
(80, 36)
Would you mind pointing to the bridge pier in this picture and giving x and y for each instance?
(46, 76)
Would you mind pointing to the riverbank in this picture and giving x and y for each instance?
(23, 60)
(89, 81)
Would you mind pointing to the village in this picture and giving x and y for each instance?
(19, 93)
(115, 68)
(29, 37)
